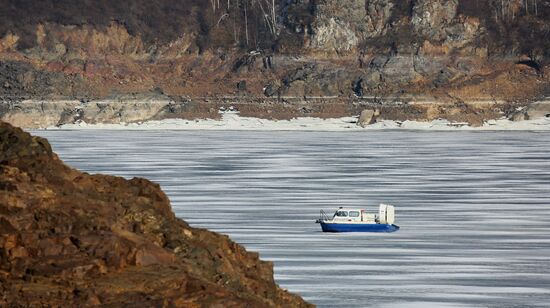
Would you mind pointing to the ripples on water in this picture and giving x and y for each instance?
(474, 208)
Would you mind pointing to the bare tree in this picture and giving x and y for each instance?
(268, 11)
(246, 22)
(248, 16)
(531, 7)
(235, 26)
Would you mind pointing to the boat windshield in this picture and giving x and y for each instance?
(353, 214)
(341, 214)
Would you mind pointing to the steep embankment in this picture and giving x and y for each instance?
(72, 239)
(345, 51)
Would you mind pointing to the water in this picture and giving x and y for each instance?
(474, 208)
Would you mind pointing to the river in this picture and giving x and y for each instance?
(473, 207)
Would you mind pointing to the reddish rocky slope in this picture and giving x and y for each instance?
(73, 239)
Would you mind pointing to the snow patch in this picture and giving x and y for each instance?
(233, 121)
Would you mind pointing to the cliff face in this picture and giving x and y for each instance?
(70, 238)
(455, 50)
(459, 50)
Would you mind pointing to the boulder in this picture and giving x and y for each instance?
(367, 117)
(538, 110)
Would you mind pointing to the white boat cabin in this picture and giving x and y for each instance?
(386, 215)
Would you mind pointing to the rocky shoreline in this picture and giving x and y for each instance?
(39, 114)
(69, 238)
(460, 60)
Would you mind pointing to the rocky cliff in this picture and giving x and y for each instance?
(455, 51)
(73, 239)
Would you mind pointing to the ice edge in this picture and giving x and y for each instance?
(235, 122)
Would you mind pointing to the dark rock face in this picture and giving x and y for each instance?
(21, 80)
(72, 239)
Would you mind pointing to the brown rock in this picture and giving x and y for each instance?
(153, 254)
(18, 252)
(86, 240)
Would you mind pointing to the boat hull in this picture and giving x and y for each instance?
(339, 227)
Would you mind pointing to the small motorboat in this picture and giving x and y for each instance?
(358, 220)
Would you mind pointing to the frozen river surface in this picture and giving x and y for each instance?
(474, 208)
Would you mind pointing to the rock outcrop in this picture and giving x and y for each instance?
(73, 239)
(431, 18)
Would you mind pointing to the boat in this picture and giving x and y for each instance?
(358, 220)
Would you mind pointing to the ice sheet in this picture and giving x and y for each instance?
(474, 207)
